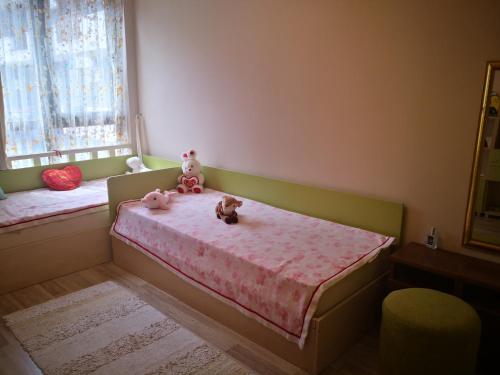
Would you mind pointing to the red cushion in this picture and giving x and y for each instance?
(68, 178)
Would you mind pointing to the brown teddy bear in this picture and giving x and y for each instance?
(226, 209)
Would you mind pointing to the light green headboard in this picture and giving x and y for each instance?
(154, 162)
(30, 178)
(346, 208)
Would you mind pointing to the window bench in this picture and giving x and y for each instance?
(36, 254)
(52, 244)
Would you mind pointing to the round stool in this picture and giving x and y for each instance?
(428, 332)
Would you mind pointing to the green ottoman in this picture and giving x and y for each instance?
(428, 332)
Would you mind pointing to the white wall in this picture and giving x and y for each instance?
(376, 97)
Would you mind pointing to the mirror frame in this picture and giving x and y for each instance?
(467, 240)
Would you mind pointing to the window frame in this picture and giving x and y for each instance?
(94, 151)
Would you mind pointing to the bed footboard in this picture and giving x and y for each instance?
(136, 185)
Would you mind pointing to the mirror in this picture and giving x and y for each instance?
(482, 221)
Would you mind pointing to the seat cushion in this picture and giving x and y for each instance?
(428, 332)
(427, 309)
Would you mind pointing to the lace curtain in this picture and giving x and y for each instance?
(62, 64)
(3, 142)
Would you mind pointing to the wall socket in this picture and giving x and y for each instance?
(432, 239)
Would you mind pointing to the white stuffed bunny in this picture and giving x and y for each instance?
(192, 179)
(136, 165)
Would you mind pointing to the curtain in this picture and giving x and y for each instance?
(3, 139)
(64, 73)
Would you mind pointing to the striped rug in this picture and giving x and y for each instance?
(106, 329)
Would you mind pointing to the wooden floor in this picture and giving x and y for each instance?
(360, 360)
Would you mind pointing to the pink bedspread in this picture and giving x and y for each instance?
(34, 207)
(273, 265)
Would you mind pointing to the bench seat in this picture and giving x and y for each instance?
(67, 232)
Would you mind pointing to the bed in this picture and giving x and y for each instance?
(326, 323)
(46, 233)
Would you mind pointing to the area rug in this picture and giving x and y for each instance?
(106, 329)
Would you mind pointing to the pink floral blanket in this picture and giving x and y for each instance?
(273, 265)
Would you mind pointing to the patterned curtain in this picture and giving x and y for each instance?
(3, 141)
(62, 64)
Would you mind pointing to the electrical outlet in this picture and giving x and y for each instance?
(432, 239)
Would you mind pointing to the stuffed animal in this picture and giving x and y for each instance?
(157, 199)
(136, 165)
(226, 209)
(191, 179)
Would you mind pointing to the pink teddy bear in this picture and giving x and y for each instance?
(157, 199)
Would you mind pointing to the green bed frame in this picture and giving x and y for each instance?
(13, 180)
(346, 208)
(21, 179)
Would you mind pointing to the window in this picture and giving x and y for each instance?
(62, 66)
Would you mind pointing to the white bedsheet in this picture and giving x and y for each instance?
(26, 209)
